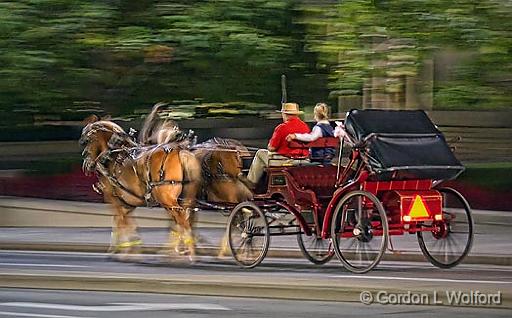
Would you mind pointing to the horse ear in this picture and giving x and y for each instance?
(90, 119)
(106, 117)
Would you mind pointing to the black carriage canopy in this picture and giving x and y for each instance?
(402, 145)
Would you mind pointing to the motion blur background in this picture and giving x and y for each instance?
(218, 64)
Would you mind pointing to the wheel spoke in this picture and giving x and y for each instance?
(316, 250)
(362, 250)
(248, 234)
(451, 241)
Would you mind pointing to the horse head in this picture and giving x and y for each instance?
(98, 138)
(222, 159)
(226, 163)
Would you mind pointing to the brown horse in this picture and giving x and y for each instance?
(221, 165)
(219, 157)
(131, 176)
(220, 161)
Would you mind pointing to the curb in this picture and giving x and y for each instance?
(32, 212)
(206, 286)
(396, 256)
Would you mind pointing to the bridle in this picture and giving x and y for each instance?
(119, 142)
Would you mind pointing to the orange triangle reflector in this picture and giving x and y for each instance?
(418, 209)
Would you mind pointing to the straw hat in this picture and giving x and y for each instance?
(290, 108)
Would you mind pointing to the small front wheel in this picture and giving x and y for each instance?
(359, 231)
(248, 234)
(450, 240)
(317, 250)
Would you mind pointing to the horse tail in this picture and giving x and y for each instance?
(191, 177)
(150, 124)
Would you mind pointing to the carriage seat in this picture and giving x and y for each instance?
(324, 142)
(319, 179)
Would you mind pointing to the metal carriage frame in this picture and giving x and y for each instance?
(328, 207)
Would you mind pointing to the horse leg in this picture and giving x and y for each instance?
(224, 247)
(123, 237)
(185, 234)
(188, 233)
(192, 184)
(113, 237)
(175, 236)
(134, 241)
(232, 192)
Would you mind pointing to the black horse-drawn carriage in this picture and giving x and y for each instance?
(390, 185)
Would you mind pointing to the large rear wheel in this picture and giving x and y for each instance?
(359, 231)
(248, 234)
(450, 239)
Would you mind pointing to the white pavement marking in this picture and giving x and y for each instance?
(119, 306)
(22, 314)
(424, 279)
(86, 254)
(41, 265)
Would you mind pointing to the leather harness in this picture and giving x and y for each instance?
(117, 153)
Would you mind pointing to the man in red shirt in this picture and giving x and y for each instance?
(278, 147)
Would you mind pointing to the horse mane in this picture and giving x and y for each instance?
(154, 130)
(217, 143)
(100, 124)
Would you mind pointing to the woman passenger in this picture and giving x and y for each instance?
(322, 129)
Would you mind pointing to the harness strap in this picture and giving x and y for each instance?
(164, 182)
(104, 158)
(150, 185)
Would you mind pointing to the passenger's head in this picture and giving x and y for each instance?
(321, 112)
(289, 110)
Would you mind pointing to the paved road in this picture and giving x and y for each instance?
(59, 304)
(275, 278)
(162, 265)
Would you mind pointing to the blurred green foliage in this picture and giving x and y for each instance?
(358, 39)
(58, 55)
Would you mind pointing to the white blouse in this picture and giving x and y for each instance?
(314, 134)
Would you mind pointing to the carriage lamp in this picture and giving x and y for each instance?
(407, 218)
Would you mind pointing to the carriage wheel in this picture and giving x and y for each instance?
(248, 234)
(317, 250)
(451, 239)
(359, 231)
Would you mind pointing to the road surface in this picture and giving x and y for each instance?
(284, 279)
(59, 304)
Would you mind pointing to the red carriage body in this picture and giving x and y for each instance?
(388, 187)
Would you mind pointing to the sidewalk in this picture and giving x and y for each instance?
(491, 243)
